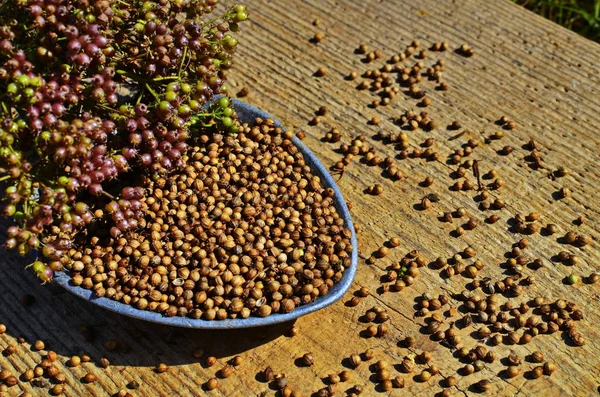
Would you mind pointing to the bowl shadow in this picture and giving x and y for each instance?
(72, 326)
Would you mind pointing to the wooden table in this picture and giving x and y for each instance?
(543, 77)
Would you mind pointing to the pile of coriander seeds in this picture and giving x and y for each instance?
(244, 229)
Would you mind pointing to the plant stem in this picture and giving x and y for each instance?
(110, 196)
(154, 94)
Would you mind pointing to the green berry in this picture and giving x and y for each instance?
(184, 109)
(227, 122)
(10, 209)
(223, 102)
(171, 96)
(63, 180)
(240, 17)
(23, 80)
(164, 106)
(12, 88)
(186, 88)
(228, 112)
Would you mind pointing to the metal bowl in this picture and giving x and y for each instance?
(246, 113)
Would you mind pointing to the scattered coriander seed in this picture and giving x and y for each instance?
(321, 72)
(409, 341)
(212, 384)
(39, 345)
(383, 375)
(382, 329)
(307, 359)
(210, 361)
(512, 371)
(198, 353)
(269, 374)
(570, 237)
(226, 371)
(355, 360)
(425, 203)
(89, 378)
(572, 279)
(371, 331)
(57, 390)
(74, 361)
(398, 382)
(466, 50)
(549, 367)
(161, 368)
(375, 120)
(104, 362)
(334, 378)
(484, 385)
(369, 354)
(593, 278)
(280, 381)
(468, 369)
(383, 251)
(478, 365)
(406, 366)
(564, 192)
(537, 372)
(318, 37)
(344, 376)
(236, 361)
(243, 92)
(561, 171)
(2, 328)
(471, 271)
(28, 375)
(362, 292)
(582, 240)
(394, 241)
(424, 376)
(537, 357)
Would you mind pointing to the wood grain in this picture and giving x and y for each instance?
(542, 76)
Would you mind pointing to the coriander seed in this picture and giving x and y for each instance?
(344, 376)
(89, 378)
(307, 360)
(424, 376)
(512, 371)
(321, 72)
(549, 367)
(212, 384)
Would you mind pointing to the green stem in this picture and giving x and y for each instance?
(154, 94)
(110, 196)
(166, 77)
(100, 105)
(182, 61)
(4, 178)
(140, 97)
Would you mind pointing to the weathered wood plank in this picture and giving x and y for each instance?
(542, 76)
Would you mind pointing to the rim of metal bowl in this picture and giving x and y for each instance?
(246, 113)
